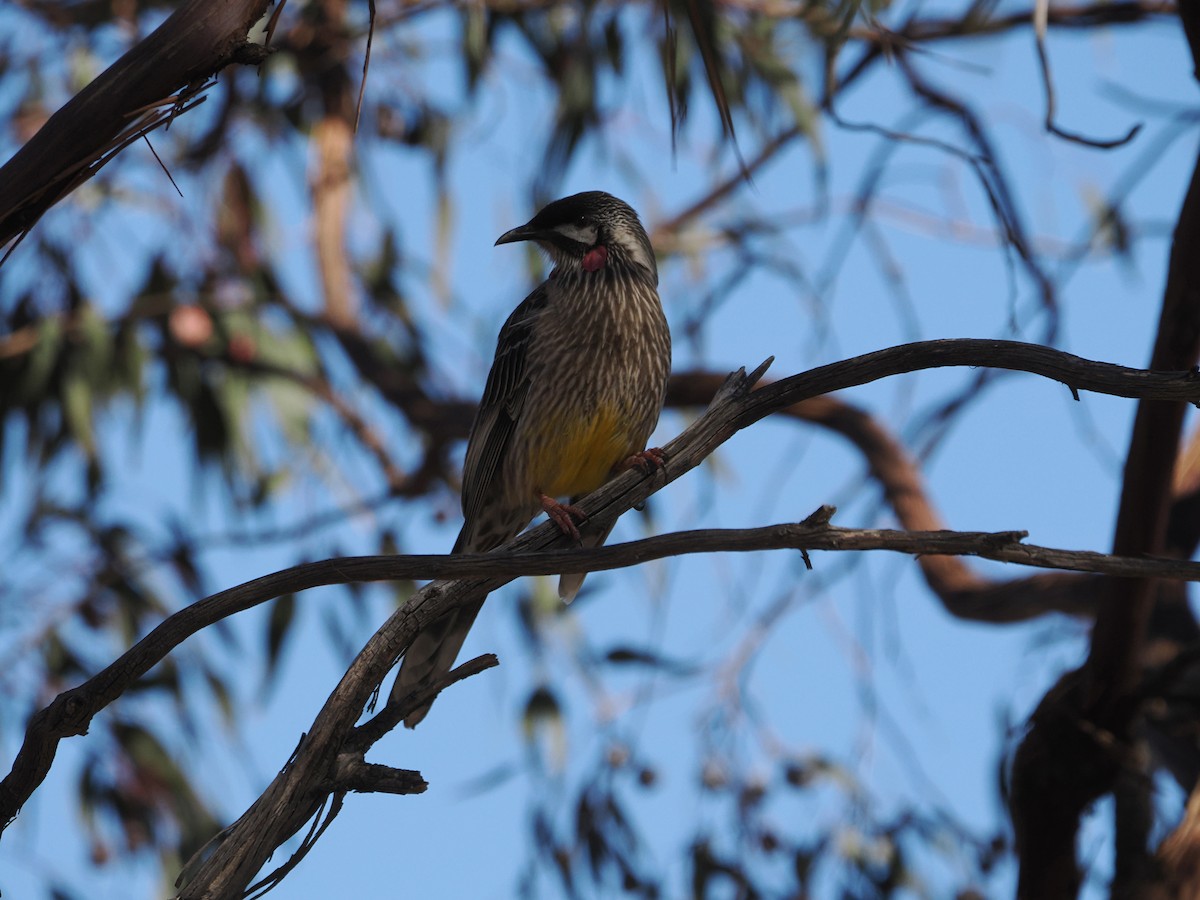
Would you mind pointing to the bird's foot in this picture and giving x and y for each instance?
(564, 515)
(649, 460)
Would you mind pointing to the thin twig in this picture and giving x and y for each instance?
(1041, 14)
(362, 86)
(162, 165)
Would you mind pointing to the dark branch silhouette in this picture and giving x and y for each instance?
(304, 785)
(1082, 741)
(142, 91)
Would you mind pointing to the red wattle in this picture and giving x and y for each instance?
(595, 259)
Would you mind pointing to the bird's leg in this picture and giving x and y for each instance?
(564, 515)
(648, 460)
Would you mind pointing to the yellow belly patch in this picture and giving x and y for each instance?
(576, 457)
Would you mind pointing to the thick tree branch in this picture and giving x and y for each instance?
(282, 809)
(1149, 469)
(199, 39)
(71, 713)
(298, 790)
(1115, 656)
(1055, 777)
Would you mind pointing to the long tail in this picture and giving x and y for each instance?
(569, 583)
(432, 653)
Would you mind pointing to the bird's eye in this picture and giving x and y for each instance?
(582, 221)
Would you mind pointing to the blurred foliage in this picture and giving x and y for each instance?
(226, 331)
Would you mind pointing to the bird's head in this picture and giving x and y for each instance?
(588, 232)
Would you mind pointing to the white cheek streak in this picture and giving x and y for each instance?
(636, 251)
(584, 234)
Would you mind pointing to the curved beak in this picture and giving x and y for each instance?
(521, 233)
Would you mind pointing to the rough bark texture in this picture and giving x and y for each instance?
(198, 40)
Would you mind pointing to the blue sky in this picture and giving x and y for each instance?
(866, 667)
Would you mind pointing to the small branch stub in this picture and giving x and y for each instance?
(355, 774)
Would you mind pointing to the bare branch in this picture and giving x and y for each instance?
(1055, 777)
(1041, 14)
(301, 787)
(1150, 465)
